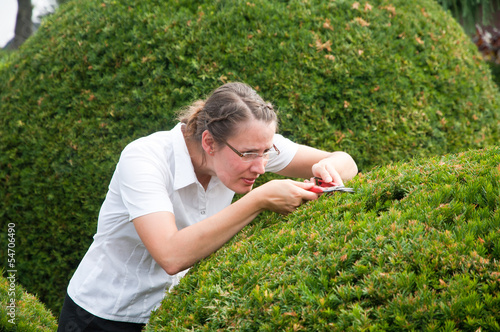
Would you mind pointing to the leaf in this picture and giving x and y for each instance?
(327, 25)
(390, 9)
(362, 22)
(321, 46)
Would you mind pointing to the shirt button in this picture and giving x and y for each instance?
(202, 212)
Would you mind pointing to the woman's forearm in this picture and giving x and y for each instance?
(176, 250)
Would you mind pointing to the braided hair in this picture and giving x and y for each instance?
(227, 107)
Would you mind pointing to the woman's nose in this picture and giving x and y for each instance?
(259, 165)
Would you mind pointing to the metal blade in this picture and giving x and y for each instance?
(338, 188)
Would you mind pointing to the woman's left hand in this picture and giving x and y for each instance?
(335, 167)
(325, 170)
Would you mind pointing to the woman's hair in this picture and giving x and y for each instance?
(227, 107)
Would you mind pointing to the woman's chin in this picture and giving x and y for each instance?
(242, 186)
(242, 189)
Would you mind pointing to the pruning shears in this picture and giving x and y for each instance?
(328, 187)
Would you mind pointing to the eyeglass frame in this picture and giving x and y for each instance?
(263, 156)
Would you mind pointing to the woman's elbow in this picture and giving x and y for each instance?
(172, 268)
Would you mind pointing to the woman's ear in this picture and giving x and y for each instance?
(208, 142)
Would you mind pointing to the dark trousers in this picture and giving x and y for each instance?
(76, 319)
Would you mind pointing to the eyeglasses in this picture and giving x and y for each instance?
(251, 156)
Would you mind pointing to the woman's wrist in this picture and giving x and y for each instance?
(257, 198)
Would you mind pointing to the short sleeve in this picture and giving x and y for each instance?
(143, 181)
(287, 148)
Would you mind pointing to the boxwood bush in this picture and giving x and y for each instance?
(416, 248)
(21, 311)
(383, 80)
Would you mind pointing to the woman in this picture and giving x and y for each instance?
(169, 204)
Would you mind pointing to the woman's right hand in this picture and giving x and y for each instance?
(283, 196)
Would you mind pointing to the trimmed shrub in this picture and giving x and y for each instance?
(383, 80)
(417, 247)
(21, 311)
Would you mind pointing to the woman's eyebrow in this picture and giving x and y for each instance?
(256, 150)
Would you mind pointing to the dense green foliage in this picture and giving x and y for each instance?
(417, 247)
(26, 313)
(383, 80)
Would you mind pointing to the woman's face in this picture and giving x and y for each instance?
(251, 136)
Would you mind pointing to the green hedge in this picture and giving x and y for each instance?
(383, 80)
(416, 248)
(21, 311)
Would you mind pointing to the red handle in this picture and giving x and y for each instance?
(324, 184)
(316, 189)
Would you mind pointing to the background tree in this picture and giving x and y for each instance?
(471, 12)
(24, 24)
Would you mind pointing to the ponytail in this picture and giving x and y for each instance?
(190, 116)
